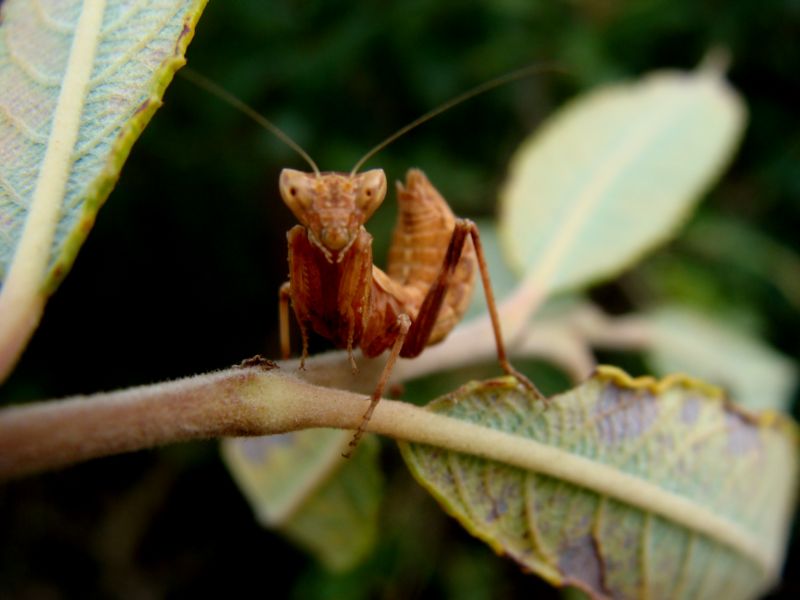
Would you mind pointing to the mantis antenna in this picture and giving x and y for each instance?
(226, 96)
(476, 91)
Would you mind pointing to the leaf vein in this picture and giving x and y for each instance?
(683, 574)
(460, 486)
(14, 198)
(22, 127)
(644, 555)
(49, 21)
(645, 438)
(124, 18)
(127, 57)
(48, 81)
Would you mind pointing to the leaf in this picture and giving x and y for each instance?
(299, 484)
(79, 80)
(756, 376)
(627, 488)
(613, 174)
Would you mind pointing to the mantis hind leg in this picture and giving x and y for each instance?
(492, 308)
(423, 325)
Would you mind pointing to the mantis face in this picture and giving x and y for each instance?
(333, 206)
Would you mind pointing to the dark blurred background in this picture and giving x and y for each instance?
(181, 272)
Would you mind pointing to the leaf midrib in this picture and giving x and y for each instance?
(21, 298)
(530, 455)
(605, 173)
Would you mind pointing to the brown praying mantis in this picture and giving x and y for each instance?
(337, 291)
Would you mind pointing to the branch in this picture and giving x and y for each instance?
(234, 402)
(251, 402)
(56, 433)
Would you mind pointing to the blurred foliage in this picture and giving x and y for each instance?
(181, 272)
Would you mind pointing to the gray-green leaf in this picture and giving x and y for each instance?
(79, 80)
(627, 488)
(299, 484)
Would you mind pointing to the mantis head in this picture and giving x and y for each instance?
(333, 206)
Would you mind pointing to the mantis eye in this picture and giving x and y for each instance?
(294, 189)
(371, 191)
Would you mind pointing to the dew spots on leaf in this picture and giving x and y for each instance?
(622, 415)
(581, 564)
(742, 435)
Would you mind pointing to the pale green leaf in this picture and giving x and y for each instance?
(613, 174)
(754, 375)
(299, 484)
(79, 80)
(627, 488)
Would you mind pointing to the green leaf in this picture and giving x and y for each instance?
(79, 80)
(613, 174)
(627, 488)
(299, 484)
(756, 376)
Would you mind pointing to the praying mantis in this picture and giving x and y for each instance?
(335, 289)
